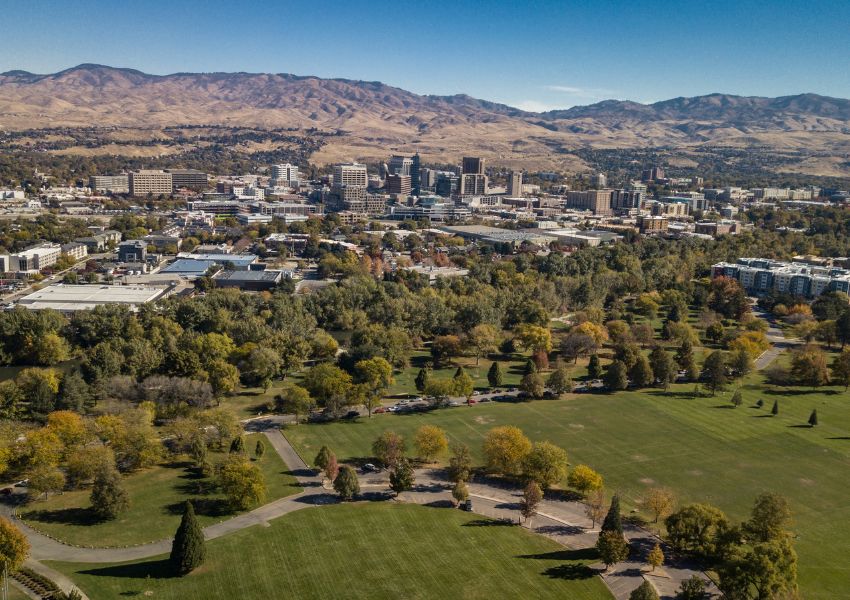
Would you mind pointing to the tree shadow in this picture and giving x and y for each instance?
(726, 406)
(559, 530)
(562, 495)
(209, 507)
(785, 392)
(153, 569)
(761, 416)
(806, 426)
(489, 523)
(839, 437)
(565, 555)
(569, 572)
(82, 517)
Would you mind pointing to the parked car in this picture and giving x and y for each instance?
(454, 403)
(467, 506)
(352, 414)
(392, 409)
(486, 399)
(472, 401)
(379, 410)
(370, 468)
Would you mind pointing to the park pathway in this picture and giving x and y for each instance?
(559, 520)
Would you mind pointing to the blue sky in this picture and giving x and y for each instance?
(533, 54)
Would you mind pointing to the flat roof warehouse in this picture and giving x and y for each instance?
(70, 298)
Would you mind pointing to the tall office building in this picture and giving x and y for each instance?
(473, 165)
(653, 174)
(427, 177)
(599, 180)
(350, 174)
(515, 184)
(415, 176)
(472, 184)
(597, 201)
(188, 178)
(400, 165)
(285, 175)
(116, 184)
(398, 184)
(147, 182)
(446, 183)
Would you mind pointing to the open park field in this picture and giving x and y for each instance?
(157, 496)
(364, 550)
(701, 447)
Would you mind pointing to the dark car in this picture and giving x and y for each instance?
(467, 506)
(352, 414)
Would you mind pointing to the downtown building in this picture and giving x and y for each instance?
(146, 182)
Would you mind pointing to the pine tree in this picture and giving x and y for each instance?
(759, 403)
(594, 368)
(494, 375)
(813, 418)
(737, 399)
(108, 496)
(530, 367)
(655, 557)
(259, 449)
(421, 379)
(613, 521)
(237, 445)
(401, 477)
(775, 410)
(187, 549)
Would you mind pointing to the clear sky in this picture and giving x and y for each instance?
(534, 54)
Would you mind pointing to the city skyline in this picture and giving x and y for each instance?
(548, 55)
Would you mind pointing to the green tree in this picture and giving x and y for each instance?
(594, 367)
(645, 591)
(559, 380)
(813, 418)
(641, 372)
(714, 372)
(775, 410)
(329, 385)
(321, 460)
(692, 589)
(697, 528)
(532, 495)
(259, 449)
(616, 377)
(401, 477)
(237, 446)
(241, 482)
(463, 384)
(663, 367)
(613, 521)
(188, 550)
(494, 374)
(737, 399)
(108, 496)
(421, 381)
(770, 517)
(295, 400)
(612, 548)
(530, 368)
(766, 570)
(460, 492)
(808, 367)
(346, 483)
(460, 463)
(532, 384)
(484, 339)
(546, 464)
(841, 369)
(389, 448)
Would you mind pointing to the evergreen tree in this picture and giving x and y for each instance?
(644, 591)
(530, 367)
(321, 460)
(813, 418)
(346, 483)
(494, 375)
(421, 380)
(187, 549)
(685, 354)
(737, 399)
(108, 496)
(198, 451)
(237, 445)
(616, 377)
(594, 368)
(775, 410)
(714, 371)
(259, 449)
(759, 403)
(613, 521)
(401, 477)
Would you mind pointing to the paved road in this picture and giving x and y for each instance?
(776, 336)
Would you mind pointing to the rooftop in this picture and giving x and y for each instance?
(64, 297)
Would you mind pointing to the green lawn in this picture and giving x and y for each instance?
(156, 503)
(365, 550)
(701, 447)
(512, 371)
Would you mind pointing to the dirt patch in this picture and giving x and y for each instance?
(639, 457)
(483, 420)
(646, 481)
(695, 472)
(804, 481)
(576, 426)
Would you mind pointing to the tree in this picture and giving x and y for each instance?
(659, 501)
(546, 464)
(444, 347)
(692, 589)
(714, 371)
(727, 297)
(663, 367)
(594, 507)
(401, 477)
(294, 400)
(430, 442)
(813, 418)
(770, 517)
(237, 446)
(421, 381)
(259, 449)
(737, 399)
(697, 528)
(534, 337)
(559, 380)
(40, 387)
(808, 367)
(484, 339)
(532, 384)
(505, 449)
(187, 550)
(530, 367)
(328, 384)
(331, 468)
(494, 375)
(463, 384)
(346, 483)
(641, 372)
(108, 496)
(775, 410)
(645, 591)
(532, 495)
(841, 369)
(685, 354)
(85, 462)
(613, 521)
(14, 547)
(460, 492)
(45, 479)
(766, 570)
(656, 556)
(584, 479)
(321, 460)
(842, 327)
(460, 463)
(594, 367)
(715, 331)
(376, 373)
(263, 365)
(242, 482)
(612, 548)
(389, 448)
(575, 345)
(616, 377)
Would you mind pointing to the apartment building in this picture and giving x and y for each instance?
(760, 275)
(596, 201)
(515, 184)
(33, 258)
(285, 175)
(188, 178)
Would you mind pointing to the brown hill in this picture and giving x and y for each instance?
(375, 119)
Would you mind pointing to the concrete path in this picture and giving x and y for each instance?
(776, 337)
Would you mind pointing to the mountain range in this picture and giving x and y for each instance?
(374, 119)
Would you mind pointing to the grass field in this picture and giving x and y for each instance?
(701, 447)
(378, 550)
(512, 371)
(156, 503)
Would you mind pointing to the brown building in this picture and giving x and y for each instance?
(473, 165)
(398, 185)
(597, 201)
(653, 224)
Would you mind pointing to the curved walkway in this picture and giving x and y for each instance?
(561, 521)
